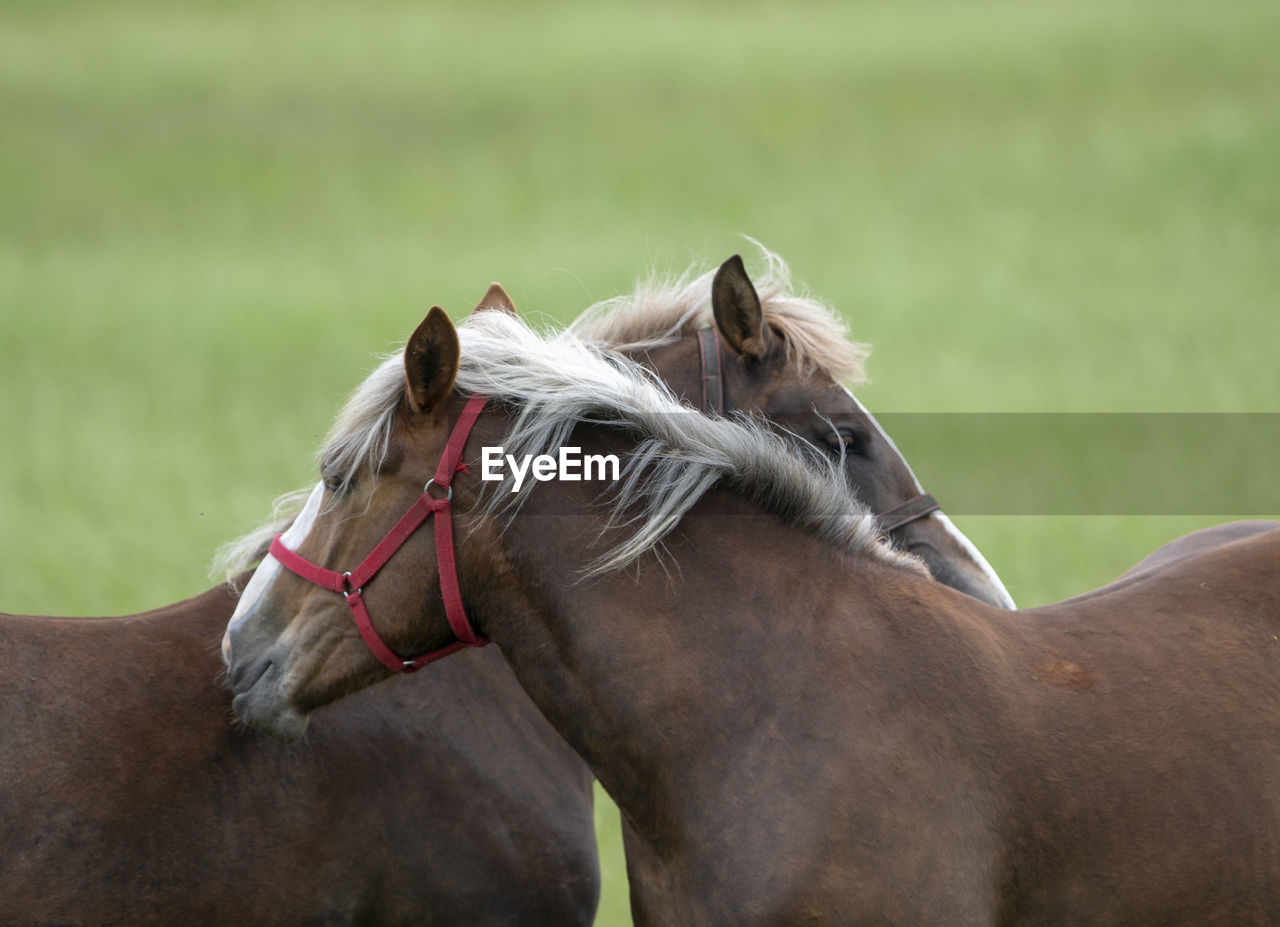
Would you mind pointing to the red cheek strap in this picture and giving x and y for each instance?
(351, 585)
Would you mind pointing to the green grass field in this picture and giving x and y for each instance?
(212, 215)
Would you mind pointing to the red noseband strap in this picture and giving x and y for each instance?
(351, 585)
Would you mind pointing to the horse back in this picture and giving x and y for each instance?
(1140, 774)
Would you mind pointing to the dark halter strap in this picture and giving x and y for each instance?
(905, 513)
(712, 373)
(351, 585)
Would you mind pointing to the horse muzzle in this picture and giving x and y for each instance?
(260, 699)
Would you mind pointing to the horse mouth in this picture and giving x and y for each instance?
(263, 705)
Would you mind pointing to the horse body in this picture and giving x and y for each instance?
(810, 740)
(1150, 791)
(764, 775)
(130, 797)
(724, 348)
(797, 724)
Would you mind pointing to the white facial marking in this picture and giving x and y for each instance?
(269, 569)
(956, 534)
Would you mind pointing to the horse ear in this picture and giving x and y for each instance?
(496, 298)
(431, 361)
(737, 312)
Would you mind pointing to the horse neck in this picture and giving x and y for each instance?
(661, 674)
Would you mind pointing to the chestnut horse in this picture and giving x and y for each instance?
(129, 798)
(458, 802)
(728, 345)
(798, 724)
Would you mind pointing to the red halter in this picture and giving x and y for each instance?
(351, 585)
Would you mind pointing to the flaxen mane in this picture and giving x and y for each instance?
(661, 311)
(560, 379)
(556, 381)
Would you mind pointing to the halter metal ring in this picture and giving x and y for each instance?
(350, 592)
(431, 482)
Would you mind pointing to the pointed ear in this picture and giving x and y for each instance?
(430, 361)
(496, 298)
(737, 312)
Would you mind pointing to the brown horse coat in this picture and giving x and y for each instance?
(804, 732)
(130, 796)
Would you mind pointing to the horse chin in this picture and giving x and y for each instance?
(266, 709)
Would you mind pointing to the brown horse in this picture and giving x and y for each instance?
(724, 347)
(799, 726)
(129, 797)
(458, 802)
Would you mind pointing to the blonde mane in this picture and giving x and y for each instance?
(555, 382)
(661, 311)
(579, 374)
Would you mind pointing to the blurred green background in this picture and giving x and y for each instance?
(212, 215)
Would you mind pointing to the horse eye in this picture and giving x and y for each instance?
(845, 440)
(336, 484)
